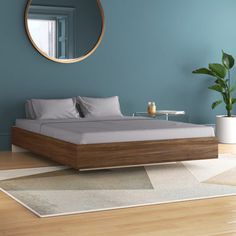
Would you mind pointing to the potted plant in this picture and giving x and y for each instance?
(221, 73)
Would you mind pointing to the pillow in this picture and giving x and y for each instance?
(54, 108)
(99, 107)
(29, 111)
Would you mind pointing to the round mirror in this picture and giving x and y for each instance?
(65, 31)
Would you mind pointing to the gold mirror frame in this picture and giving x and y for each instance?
(66, 61)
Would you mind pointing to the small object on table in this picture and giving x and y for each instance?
(152, 108)
(158, 113)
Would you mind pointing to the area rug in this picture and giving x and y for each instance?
(58, 190)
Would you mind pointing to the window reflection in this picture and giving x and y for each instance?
(64, 30)
(44, 35)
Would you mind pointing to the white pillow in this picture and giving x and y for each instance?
(54, 108)
(100, 107)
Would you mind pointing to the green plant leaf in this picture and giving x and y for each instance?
(229, 107)
(215, 104)
(233, 100)
(227, 60)
(224, 95)
(218, 70)
(217, 88)
(203, 71)
(221, 82)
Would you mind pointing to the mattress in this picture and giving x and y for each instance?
(108, 130)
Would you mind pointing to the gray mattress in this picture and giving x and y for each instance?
(107, 130)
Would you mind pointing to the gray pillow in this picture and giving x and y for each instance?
(100, 107)
(54, 108)
(29, 111)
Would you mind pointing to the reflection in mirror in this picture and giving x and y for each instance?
(65, 30)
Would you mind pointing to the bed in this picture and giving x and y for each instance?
(90, 143)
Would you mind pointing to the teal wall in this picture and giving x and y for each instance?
(148, 52)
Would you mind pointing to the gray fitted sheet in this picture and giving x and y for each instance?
(107, 130)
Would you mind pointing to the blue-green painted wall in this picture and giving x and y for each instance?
(148, 52)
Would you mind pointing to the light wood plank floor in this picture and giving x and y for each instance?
(212, 217)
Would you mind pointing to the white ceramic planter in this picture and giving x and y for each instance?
(226, 129)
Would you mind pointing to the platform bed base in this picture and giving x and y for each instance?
(98, 156)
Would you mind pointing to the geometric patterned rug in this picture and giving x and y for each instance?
(58, 190)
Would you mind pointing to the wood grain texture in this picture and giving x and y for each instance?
(19, 160)
(56, 150)
(146, 152)
(86, 156)
(227, 149)
(10, 160)
(212, 217)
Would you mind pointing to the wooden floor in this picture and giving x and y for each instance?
(212, 217)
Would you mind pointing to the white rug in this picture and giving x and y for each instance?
(53, 191)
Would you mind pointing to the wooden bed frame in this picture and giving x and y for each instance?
(90, 156)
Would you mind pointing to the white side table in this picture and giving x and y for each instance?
(166, 113)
